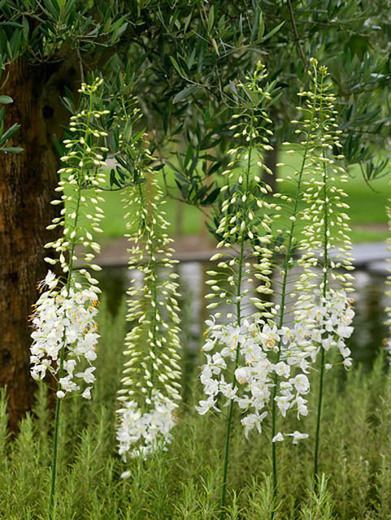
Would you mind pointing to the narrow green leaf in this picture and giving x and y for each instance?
(211, 18)
(273, 31)
(185, 93)
(6, 100)
(12, 149)
(9, 133)
(176, 66)
(261, 28)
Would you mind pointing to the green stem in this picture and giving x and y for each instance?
(227, 440)
(52, 505)
(286, 268)
(325, 279)
(231, 404)
(322, 351)
(287, 258)
(52, 496)
(319, 414)
(52, 501)
(147, 201)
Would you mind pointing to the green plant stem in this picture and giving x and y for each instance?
(52, 505)
(227, 440)
(319, 414)
(53, 480)
(286, 268)
(287, 258)
(146, 200)
(231, 404)
(322, 351)
(52, 496)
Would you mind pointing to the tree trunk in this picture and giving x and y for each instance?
(27, 183)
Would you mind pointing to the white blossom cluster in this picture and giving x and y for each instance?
(329, 324)
(256, 343)
(140, 433)
(64, 318)
(150, 391)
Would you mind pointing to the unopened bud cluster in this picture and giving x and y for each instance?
(150, 391)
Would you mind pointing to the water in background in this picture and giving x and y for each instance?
(371, 301)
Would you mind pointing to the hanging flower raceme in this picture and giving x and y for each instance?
(324, 305)
(150, 392)
(64, 319)
(329, 321)
(243, 339)
(257, 342)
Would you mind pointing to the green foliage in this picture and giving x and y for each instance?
(48, 30)
(182, 60)
(319, 506)
(184, 482)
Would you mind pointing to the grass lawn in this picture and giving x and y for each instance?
(114, 226)
(367, 209)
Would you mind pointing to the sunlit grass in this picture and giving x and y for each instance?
(367, 208)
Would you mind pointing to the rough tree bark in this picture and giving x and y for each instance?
(27, 181)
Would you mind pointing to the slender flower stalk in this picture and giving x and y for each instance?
(324, 305)
(225, 370)
(287, 250)
(64, 327)
(242, 337)
(150, 393)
